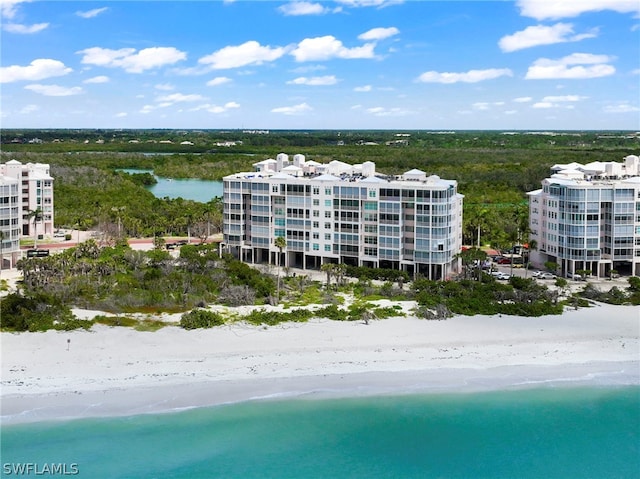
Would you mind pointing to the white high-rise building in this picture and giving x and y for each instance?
(10, 222)
(587, 217)
(36, 194)
(341, 213)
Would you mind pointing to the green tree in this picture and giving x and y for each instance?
(532, 246)
(328, 269)
(281, 244)
(471, 259)
(35, 215)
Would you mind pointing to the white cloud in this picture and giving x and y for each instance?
(9, 8)
(302, 8)
(92, 13)
(379, 33)
(37, 70)
(28, 109)
(292, 110)
(218, 81)
(472, 76)
(382, 111)
(483, 105)
(24, 29)
(571, 67)
(122, 114)
(249, 53)
(541, 35)
(314, 81)
(327, 47)
(217, 108)
(564, 98)
(179, 98)
(363, 88)
(54, 90)
(563, 101)
(98, 79)
(543, 104)
(523, 99)
(370, 3)
(130, 60)
(308, 68)
(545, 9)
(164, 87)
(621, 108)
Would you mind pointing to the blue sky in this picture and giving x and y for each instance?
(347, 64)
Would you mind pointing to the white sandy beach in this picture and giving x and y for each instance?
(120, 371)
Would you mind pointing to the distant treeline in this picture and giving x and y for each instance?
(494, 170)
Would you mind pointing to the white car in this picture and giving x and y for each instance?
(500, 275)
(547, 276)
(574, 276)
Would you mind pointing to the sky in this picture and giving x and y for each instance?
(344, 64)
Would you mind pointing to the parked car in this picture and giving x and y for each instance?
(575, 276)
(500, 275)
(503, 260)
(536, 274)
(59, 234)
(547, 276)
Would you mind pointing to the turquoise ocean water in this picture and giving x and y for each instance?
(529, 433)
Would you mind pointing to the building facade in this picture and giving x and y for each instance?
(10, 222)
(587, 217)
(341, 213)
(36, 194)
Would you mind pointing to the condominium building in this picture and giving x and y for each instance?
(341, 213)
(36, 195)
(10, 222)
(587, 217)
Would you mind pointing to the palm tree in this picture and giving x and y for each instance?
(2, 235)
(533, 245)
(37, 216)
(280, 243)
(328, 268)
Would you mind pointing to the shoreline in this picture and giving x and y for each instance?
(76, 405)
(117, 371)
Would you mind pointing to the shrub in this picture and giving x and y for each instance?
(272, 318)
(200, 318)
(237, 295)
(332, 312)
(115, 321)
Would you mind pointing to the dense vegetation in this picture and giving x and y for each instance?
(123, 281)
(494, 172)
(494, 169)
